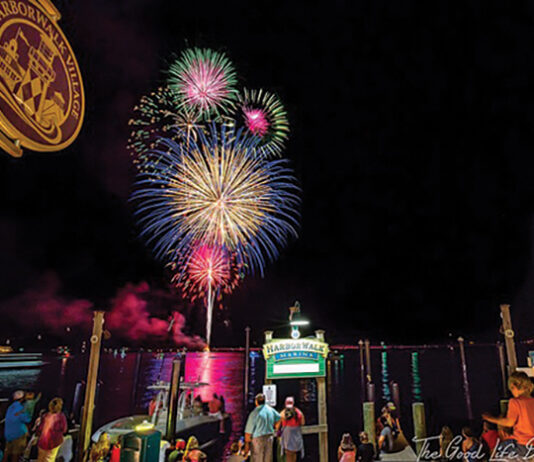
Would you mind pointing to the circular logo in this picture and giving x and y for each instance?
(41, 92)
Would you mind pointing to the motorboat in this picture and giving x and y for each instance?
(212, 431)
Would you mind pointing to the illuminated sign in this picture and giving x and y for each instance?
(41, 91)
(302, 358)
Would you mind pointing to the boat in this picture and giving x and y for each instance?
(11, 360)
(211, 431)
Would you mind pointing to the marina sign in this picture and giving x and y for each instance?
(41, 91)
(291, 359)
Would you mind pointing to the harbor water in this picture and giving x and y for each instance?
(124, 381)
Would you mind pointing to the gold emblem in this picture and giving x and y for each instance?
(41, 92)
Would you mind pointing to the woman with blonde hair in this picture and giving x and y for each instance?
(51, 430)
(193, 452)
(520, 416)
(100, 449)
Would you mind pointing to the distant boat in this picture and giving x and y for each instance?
(11, 360)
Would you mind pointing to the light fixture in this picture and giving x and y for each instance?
(295, 316)
(296, 320)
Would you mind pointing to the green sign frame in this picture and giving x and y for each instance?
(295, 359)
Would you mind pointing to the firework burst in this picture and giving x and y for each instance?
(159, 114)
(264, 116)
(209, 272)
(218, 192)
(204, 81)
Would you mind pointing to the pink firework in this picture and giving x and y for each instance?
(210, 271)
(204, 80)
(256, 121)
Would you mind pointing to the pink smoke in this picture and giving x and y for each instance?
(42, 307)
(130, 318)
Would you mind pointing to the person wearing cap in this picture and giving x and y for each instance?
(15, 429)
(292, 420)
(259, 431)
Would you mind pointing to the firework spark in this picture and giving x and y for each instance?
(209, 272)
(204, 80)
(159, 114)
(264, 116)
(217, 191)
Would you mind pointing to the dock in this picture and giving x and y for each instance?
(406, 455)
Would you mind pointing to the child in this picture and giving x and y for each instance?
(30, 401)
(366, 450)
(178, 454)
(193, 452)
(235, 453)
(490, 436)
(470, 445)
(520, 416)
(347, 450)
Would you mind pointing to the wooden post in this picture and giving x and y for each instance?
(467, 392)
(172, 407)
(370, 393)
(247, 368)
(509, 338)
(502, 364)
(90, 390)
(369, 421)
(368, 361)
(395, 393)
(419, 425)
(323, 422)
(362, 371)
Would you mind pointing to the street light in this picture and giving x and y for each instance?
(296, 320)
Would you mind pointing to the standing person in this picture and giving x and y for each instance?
(215, 406)
(389, 430)
(51, 430)
(366, 450)
(15, 429)
(346, 452)
(445, 440)
(292, 420)
(30, 401)
(198, 406)
(520, 416)
(259, 430)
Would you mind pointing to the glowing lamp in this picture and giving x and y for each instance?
(145, 426)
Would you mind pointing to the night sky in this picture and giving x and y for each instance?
(411, 139)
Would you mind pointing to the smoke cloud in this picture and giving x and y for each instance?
(42, 307)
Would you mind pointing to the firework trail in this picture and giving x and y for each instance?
(209, 272)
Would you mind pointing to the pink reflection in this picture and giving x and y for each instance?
(224, 374)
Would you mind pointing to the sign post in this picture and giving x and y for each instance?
(298, 359)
